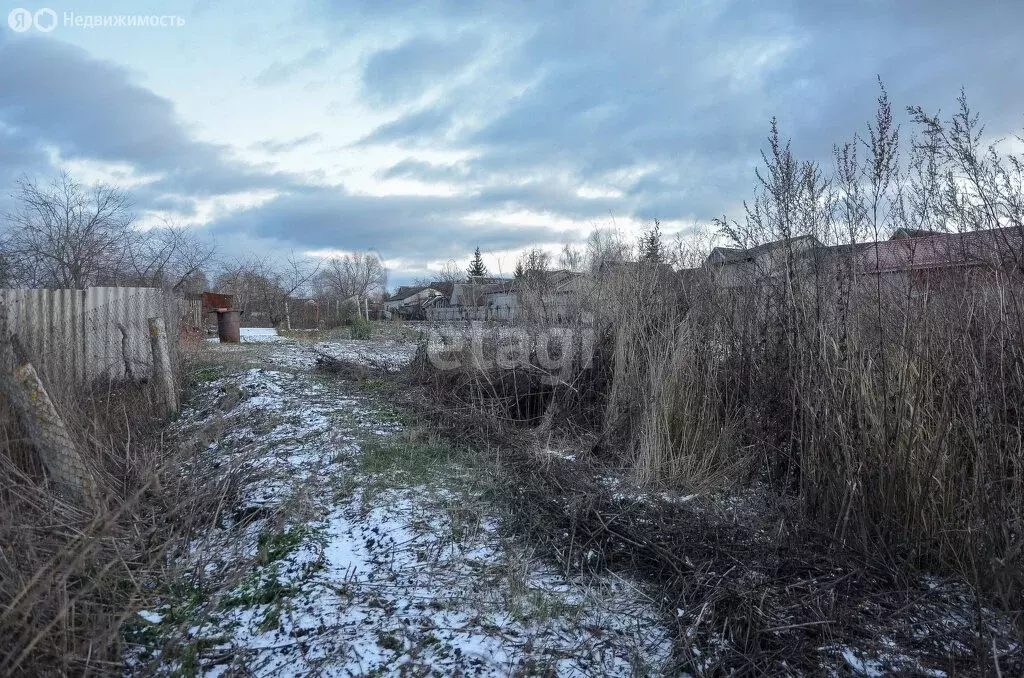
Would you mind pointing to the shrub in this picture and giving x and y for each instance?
(360, 329)
(885, 401)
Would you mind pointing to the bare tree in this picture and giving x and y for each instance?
(451, 274)
(571, 258)
(243, 279)
(605, 245)
(5, 269)
(170, 256)
(353, 275)
(535, 260)
(64, 235)
(690, 248)
(263, 288)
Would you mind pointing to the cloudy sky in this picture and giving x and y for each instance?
(423, 130)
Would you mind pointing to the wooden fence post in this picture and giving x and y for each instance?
(44, 425)
(162, 365)
(126, 353)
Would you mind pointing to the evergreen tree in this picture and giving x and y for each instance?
(651, 249)
(520, 271)
(476, 266)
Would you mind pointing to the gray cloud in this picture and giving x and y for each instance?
(52, 93)
(281, 72)
(669, 103)
(682, 95)
(415, 227)
(427, 172)
(18, 154)
(406, 72)
(547, 198)
(424, 127)
(286, 145)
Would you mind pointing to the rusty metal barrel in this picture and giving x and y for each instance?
(228, 323)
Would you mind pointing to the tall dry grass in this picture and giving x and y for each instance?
(72, 575)
(887, 404)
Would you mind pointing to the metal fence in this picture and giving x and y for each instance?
(79, 336)
(192, 316)
(467, 313)
(552, 311)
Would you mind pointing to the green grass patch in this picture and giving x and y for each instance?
(274, 545)
(207, 374)
(389, 641)
(261, 587)
(412, 456)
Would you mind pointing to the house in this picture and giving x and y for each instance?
(550, 295)
(546, 294)
(407, 298)
(923, 263)
(998, 247)
(472, 293)
(733, 267)
(479, 298)
(911, 260)
(410, 301)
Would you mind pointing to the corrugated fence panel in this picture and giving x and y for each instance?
(75, 336)
(107, 310)
(49, 325)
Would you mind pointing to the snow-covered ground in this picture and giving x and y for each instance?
(389, 355)
(385, 354)
(253, 335)
(371, 556)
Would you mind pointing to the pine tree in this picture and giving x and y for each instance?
(520, 271)
(476, 266)
(651, 250)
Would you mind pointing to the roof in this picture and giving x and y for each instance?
(559, 279)
(443, 287)
(612, 266)
(729, 255)
(908, 249)
(913, 233)
(213, 300)
(938, 250)
(406, 291)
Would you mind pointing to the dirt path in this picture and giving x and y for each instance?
(361, 545)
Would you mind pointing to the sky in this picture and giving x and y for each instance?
(424, 130)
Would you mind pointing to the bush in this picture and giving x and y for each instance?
(887, 404)
(360, 329)
(73, 574)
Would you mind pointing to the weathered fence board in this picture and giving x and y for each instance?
(192, 316)
(50, 325)
(107, 310)
(75, 336)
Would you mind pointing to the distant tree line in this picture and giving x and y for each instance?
(64, 234)
(603, 245)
